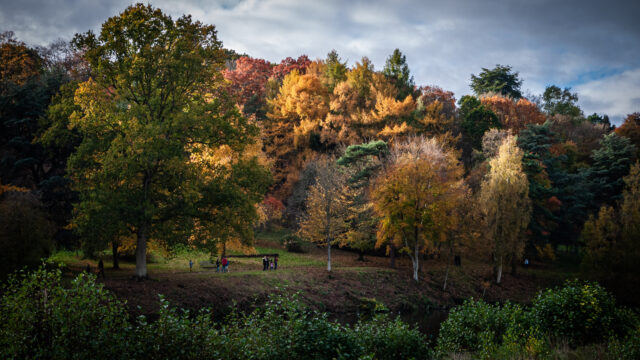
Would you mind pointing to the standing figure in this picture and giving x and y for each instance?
(275, 262)
(225, 264)
(101, 269)
(264, 263)
(190, 265)
(271, 264)
(217, 264)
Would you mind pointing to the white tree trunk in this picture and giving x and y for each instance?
(141, 253)
(499, 271)
(416, 263)
(328, 255)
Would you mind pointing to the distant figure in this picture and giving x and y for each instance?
(218, 265)
(271, 264)
(526, 263)
(225, 264)
(264, 263)
(88, 270)
(101, 269)
(275, 263)
(190, 265)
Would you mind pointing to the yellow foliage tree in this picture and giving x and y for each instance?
(504, 198)
(327, 206)
(416, 195)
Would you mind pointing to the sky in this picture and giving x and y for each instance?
(592, 46)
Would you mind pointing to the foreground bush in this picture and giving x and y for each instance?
(41, 318)
(577, 314)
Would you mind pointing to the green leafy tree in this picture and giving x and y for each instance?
(476, 119)
(559, 101)
(148, 115)
(335, 70)
(497, 80)
(397, 70)
(363, 162)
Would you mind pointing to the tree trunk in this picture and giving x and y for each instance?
(392, 256)
(416, 262)
(499, 277)
(329, 255)
(141, 253)
(224, 249)
(360, 256)
(116, 257)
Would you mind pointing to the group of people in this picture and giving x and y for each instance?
(269, 264)
(225, 265)
(100, 269)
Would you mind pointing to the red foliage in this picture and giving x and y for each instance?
(289, 64)
(430, 94)
(273, 203)
(248, 78)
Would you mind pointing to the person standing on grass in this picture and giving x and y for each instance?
(264, 263)
(190, 265)
(225, 264)
(217, 264)
(275, 262)
(101, 269)
(271, 264)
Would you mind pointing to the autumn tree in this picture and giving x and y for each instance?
(514, 115)
(324, 222)
(630, 129)
(248, 83)
(497, 80)
(148, 110)
(415, 196)
(504, 198)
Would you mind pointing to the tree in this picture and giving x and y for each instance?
(396, 69)
(611, 163)
(561, 102)
(335, 70)
(150, 108)
(26, 235)
(363, 161)
(612, 249)
(326, 207)
(497, 80)
(630, 129)
(476, 119)
(514, 115)
(415, 197)
(504, 198)
(248, 83)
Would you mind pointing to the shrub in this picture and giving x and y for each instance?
(39, 318)
(292, 243)
(478, 326)
(580, 313)
(383, 338)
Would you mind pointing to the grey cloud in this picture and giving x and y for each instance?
(547, 41)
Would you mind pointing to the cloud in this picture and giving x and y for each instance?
(547, 41)
(616, 95)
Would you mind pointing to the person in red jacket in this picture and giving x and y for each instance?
(225, 264)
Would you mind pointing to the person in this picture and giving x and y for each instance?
(275, 262)
(101, 269)
(225, 264)
(264, 263)
(526, 263)
(271, 264)
(190, 265)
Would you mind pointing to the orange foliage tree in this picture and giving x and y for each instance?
(513, 115)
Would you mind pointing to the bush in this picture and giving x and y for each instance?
(473, 324)
(26, 235)
(292, 243)
(580, 313)
(39, 318)
(384, 338)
